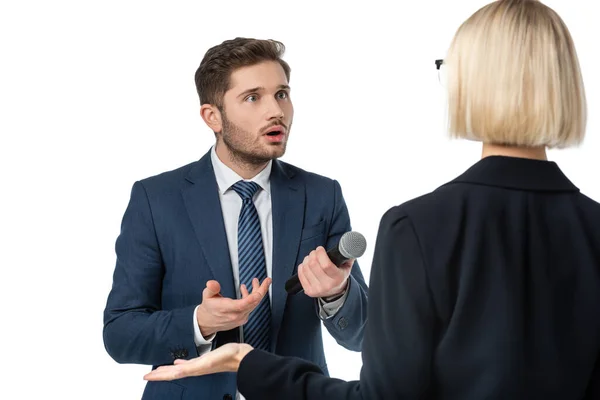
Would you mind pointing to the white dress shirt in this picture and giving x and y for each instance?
(231, 204)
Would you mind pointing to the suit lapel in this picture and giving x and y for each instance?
(204, 209)
(287, 201)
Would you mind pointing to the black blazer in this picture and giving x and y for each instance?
(486, 288)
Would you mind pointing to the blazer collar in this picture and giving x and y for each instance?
(288, 207)
(517, 173)
(201, 199)
(201, 170)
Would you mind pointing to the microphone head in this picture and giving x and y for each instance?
(352, 245)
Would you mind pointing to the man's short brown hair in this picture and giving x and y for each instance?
(214, 73)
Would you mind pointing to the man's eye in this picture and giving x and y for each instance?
(282, 95)
(252, 98)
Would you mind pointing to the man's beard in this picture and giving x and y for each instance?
(243, 149)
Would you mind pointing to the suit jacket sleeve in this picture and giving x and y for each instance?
(399, 337)
(136, 329)
(593, 390)
(348, 324)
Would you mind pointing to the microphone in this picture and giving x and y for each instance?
(351, 245)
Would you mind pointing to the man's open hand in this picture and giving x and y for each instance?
(218, 313)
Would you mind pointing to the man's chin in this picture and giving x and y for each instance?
(275, 150)
(264, 157)
(278, 154)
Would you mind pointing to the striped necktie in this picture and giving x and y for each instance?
(251, 260)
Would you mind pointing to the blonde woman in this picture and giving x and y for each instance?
(488, 287)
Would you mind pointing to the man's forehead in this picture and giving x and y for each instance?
(267, 76)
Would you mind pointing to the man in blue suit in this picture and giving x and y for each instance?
(205, 250)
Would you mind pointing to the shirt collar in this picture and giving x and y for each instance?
(226, 177)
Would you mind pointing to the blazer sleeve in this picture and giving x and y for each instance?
(348, 324)
(136, 329)
(593, 390)
(399, 337)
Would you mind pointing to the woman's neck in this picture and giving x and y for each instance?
(536, 153)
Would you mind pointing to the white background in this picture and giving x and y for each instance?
(97, 94)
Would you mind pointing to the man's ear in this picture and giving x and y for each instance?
(212, 117)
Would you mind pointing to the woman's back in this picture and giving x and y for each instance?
(512, 255)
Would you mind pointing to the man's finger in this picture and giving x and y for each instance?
(347, 265)
(244, 291)
(249, 301)
(225, 305)
(164, 373)
(245, 304)
(310, 276)
(261, 290)
(328, 268)
(264, 287)
(212, 289)
(321, 269)
(303, 281)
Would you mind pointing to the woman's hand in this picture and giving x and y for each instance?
(226, 358)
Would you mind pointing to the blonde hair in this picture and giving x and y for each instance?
(514, 78)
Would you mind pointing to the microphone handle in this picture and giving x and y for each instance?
(293, 285)
(336, 257)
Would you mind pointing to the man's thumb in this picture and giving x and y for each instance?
(348, 264)
(212, 289)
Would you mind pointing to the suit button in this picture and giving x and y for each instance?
(227, 397)
(343, 323)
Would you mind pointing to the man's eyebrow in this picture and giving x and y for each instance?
(251, 90)
(260, 88)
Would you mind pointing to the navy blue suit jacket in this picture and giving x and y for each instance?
(173, 241)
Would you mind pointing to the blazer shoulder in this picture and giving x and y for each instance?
(589, 210)
(165, 185)
(310, 178)
(172, 179)
(442, 198)
(589, 203)
(428, 207)
(420, 204)
(405, 210)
